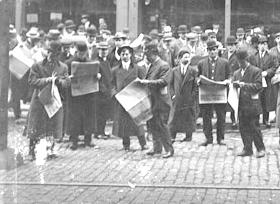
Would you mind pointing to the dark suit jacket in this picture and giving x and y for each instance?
(159, 76)
(232, 61)
(183, 87)
(123, 123)
(121, 77)
(268, 64)
(249, 99)
(222, 70)
(112, 58)
(105, 85)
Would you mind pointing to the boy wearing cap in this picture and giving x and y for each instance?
(183, 94)
(119, 40)
(249, 80)
(103, 99)
(268, 64)
(217, 69)
(41, 75)
(122, 75)
(91, 43)
(80, 120)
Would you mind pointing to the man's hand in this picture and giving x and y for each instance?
(98, 76)
(173, 97)
(227, 81)
(198, 82)
(238, 84)
(144, 81)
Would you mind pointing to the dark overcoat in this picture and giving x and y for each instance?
(249, 99)
(80, 109)
(39, 124)
(183, 89)
(269, 64)
(232, 61)
(123, 123)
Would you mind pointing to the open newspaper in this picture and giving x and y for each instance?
(84, 79)
(20, 61)
(135, 99)
(212, 92)
(50, 98)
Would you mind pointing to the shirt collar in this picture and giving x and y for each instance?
(126, 65)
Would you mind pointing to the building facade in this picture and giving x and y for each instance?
(144, 15)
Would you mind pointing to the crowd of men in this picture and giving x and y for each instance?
(170, 67)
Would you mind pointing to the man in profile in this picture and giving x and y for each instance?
(249, 79)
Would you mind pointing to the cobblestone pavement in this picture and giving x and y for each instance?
(212, 174)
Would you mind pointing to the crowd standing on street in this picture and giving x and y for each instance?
(169, 66)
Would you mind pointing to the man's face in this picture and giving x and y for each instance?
(103, 52)
(186, 58)
(231, 47)
(69, 30)
(91, 38)
(119, 42)
(125, 55)
(262, 46)
(277, 40)
(148, 55)
(213, 52)
(240, 36)
(83, 20)
(182, 36)
(167, 43)
(213, 37)
(242, 63)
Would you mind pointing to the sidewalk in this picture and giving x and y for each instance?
(212, 174)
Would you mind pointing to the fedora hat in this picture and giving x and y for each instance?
(69, 24)
(103, 45)
(262, 39)
(242, 53)
(33, 33)
(91, 31)
(53, 34)
(85, 16)
(182, 29)
(240, 31)
(120, 35)
(191, 36)
(231, 40)
(211, 44)
(196, 29)
(167, 37)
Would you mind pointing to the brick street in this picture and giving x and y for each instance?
(212, 174)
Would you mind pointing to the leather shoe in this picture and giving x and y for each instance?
(186, 139)
(234, 126)
(244, 153)
(204, 144)
(268, 125)
(222, 142)
(168, 154)
(74, 146)
(260, 154)
(152, 153)
(144, 147)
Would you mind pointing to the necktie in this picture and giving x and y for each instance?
(242, 72)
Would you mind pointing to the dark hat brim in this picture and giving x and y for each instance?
(125, 47)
